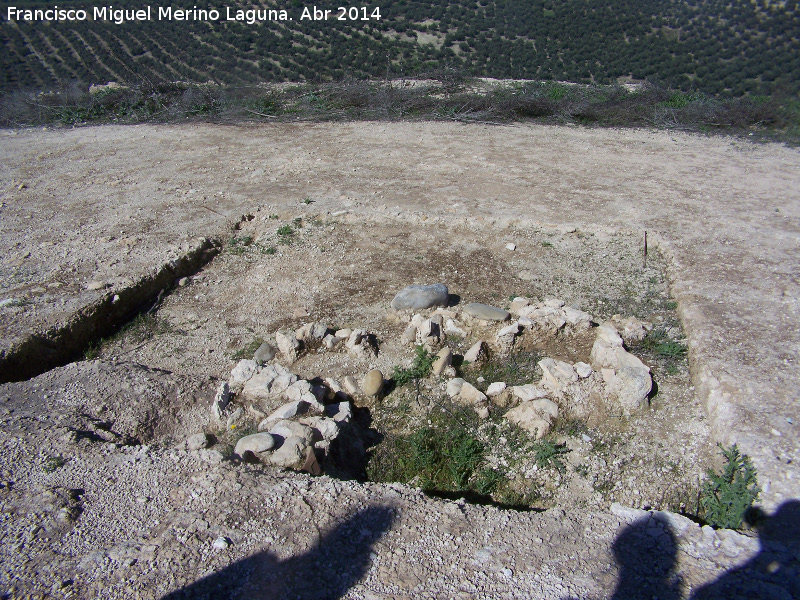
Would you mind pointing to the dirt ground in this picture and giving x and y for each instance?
(389, 205)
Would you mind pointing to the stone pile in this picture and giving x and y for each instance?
(615, 381)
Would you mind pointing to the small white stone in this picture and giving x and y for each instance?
(221, 543)
(511, 246)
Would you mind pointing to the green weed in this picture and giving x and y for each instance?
(547, 454)
(727, 497)
(247, 351)
(53, 463)
(420, 369)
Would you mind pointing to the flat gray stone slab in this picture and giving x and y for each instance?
(417, 297)
(486, 312)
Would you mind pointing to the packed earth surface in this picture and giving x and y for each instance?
(215, 385)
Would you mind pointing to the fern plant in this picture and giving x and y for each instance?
(728, 496)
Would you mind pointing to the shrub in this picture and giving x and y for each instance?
(423, 363)
(727, 497)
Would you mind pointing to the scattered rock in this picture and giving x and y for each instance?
(341, 412)
(511, 246)
(351, 385)
(454, 387)
(443, 360)
(528, 392)
(257, 444)
(486, 312)
(221, 399)
(243, 371)
(557, 374)
(418, 297)
(197, 441)
(582, 369)
(95, 285)
(287, 411)
(343, 333)
(476, 353)
(183, 282)
(527, 417)
(299, 313)
(471, 395)
(291, 454)
(505, 337)
(409, 335)
(264, 354)
(372, 385)
(288, 344)
(495, 389)
(221, 543)
(235, 417)
(452, 328)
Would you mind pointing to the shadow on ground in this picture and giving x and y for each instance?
(645, 551)
(646, 554)
(327, 572)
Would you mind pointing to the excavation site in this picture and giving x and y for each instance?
(397, 360)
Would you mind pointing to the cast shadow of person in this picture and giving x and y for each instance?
(646, 553)
(773, 573)
(326, 572)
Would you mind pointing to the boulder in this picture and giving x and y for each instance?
(287, 411)
(454, 387)
(291, 454)
(486, 312)
(630, 329)
(630, 386)
(341, 412)
(527, 417)
(285, 429)
(476, 353)
(557, 374)
(528, 392)
(418, 297)
(264, 354)
(258, 444)
(288, 344)
(372, 384)
(607, 351)
(243, 371)
(221, 399)
(451, 327)
(577, 318)
(495, 389)
(443, 360)
(323, 428)
(505, 337)
(471, 395)
(351, 385)
(409, 335)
